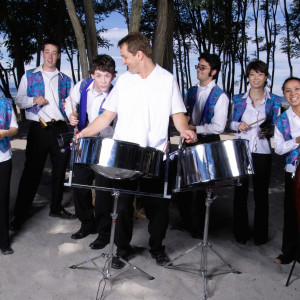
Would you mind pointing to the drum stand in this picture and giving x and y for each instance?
(205, 245)
(106, 271)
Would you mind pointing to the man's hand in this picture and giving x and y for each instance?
(192, 127)
(73, 119)
(243, 126)
(40, 100)
(189, 135)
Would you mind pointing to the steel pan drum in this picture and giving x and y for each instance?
(117, 159)
(212, 162)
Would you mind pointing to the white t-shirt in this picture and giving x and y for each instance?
(144, 107)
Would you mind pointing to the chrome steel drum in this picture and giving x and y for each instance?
(217, 161)
(117, 159)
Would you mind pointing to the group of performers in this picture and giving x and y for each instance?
(137, 109)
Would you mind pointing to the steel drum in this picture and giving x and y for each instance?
(213, 162)
(117, 159)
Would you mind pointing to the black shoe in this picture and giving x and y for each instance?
(161, 258)
(118, 264)
(15, 224)
(6, 250)
(260, 242)
(99, 243)
(80, 234)
(63, 214)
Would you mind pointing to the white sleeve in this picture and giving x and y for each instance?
(218, 122)
(281, 145)
(22, 100)
(111, 102)
(75, 95)
(177, 102)
(13, 121)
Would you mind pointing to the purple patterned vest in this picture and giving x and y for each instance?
(36, 88)
(5, 118)
(283, 124)
(83, 102)
(208, 111)
(239, 106)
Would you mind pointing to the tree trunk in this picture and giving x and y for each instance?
(79, 37)
(288, 40)
(91, 33)
(135, 17)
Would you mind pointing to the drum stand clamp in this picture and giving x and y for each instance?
(205, 245)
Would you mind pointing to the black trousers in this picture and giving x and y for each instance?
(290, 227)
(261, 179)
(40, 143)
(5, 174)
(156, 210)
(191, 204)
(91, 217)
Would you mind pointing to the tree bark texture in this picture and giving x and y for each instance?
(135, 17)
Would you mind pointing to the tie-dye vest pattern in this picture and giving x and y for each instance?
(36, 88)
(208, 111)
(239, 106)
(5, 118)
(283, 124)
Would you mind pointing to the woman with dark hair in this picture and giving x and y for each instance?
(249, 110)
(8, 128)
(287, 142)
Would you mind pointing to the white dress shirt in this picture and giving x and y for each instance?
(218, 122)
(94, 101)
(281, 145)
(49, 111)
(250, 115)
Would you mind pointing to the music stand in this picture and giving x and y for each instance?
(205, 245)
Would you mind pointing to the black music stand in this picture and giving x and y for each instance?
(205, 245)
(293, 265)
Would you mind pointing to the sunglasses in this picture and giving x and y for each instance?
(201, 68)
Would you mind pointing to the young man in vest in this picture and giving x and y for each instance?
(87, 98)
(143, 98)
(42, 92)
(207, 109)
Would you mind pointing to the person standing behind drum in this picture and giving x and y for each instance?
(248, 112)
(287, 142)
(143, 98)
(207, 108)
(41, 93)
(8, 128)
(88, 97)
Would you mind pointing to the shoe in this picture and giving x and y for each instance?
(15, 224)
(258, 243)
(6, 250)
(241, 241)
(161, 258)
(282, 260)
(118, 264)
(63, 214)
(99, 243)
(80, 234)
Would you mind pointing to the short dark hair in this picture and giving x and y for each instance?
(104, 63)
(287, 80)
(258, 66)
(51, 42)
(214, 62)
(136, 42)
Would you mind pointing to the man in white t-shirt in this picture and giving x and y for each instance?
(143, 99)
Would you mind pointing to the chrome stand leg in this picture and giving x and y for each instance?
(106, 271)
(205, 245)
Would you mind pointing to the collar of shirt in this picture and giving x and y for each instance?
(267, 95)
(210, 85)
(96, 94)
(40, 69)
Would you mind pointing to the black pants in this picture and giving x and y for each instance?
(91, 217)
(5, 174)
(261, 179)
(290, 227)
(40, 142)
(156, 209)
(191, 204)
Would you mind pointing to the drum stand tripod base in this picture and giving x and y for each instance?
(205, 245)
(106, 270)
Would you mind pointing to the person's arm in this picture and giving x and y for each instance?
(75, 97)
(181, 125)
(281, 145)
(100, 123)
(12, 130)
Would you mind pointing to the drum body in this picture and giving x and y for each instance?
(117, 159)
(213, 162)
